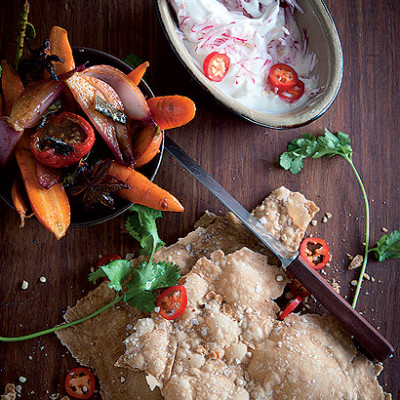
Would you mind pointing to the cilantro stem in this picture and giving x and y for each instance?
(366, 251)
(62, 326)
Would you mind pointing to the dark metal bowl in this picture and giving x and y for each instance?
(100, 214)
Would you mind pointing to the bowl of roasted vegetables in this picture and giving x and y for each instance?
(81, 135)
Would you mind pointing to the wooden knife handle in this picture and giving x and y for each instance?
(364, 333)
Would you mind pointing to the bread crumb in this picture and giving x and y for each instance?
(353, 282)
(24, 285)
(356, 262)
(324, 220)
(328, 215)
(383, 229)
(314, 222)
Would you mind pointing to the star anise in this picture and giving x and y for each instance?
(95, 185)
(31, 69)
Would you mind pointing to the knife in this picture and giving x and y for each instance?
(361, 330)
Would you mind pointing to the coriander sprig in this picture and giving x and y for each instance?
(331, 145)
(140, 282)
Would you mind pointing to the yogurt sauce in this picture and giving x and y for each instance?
(254, 34)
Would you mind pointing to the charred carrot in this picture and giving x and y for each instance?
(11, 85)
(50, 206)
(59, 45)
(137, 74)
(19, 198)
(143, 191)
(171, 111)
(147, 145)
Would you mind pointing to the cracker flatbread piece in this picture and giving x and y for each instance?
(99, 342)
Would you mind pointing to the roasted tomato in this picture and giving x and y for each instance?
(315, 251)
(172, 302)
(215, 66)
(80, 383)
(63, 140)
(283, 76)
(293, 94)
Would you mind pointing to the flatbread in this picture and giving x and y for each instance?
(98, 343)
(228, 344)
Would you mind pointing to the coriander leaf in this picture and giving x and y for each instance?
(291, 162)
(142, 226)
(1, 70)
(147, 277)
(387, 247)
(141, 299)
(133, 60)
(116, 271)
(331, 145)
(297, 150)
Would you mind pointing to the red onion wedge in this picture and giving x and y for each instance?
(133, 99)
(121, 131)
(47, 176)
(8, 139)
(85, 95)
(33, 102)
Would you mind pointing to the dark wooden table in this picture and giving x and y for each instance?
(243, 157)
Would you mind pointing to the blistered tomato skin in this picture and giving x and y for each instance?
(63, 140)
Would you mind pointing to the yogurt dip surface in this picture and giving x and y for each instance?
(255, 35)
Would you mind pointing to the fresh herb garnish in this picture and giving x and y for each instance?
(331, 145)
(387, 247)
(132, 60)
(109, 110)
(142, 226)
(140, 282)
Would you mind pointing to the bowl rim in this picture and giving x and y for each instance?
(120, 64)
(273, 121)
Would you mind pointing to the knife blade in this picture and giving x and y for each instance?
(362, 331)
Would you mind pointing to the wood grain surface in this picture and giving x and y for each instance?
(243, 157)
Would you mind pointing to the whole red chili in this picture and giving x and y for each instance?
(315, 251)
(63, 140)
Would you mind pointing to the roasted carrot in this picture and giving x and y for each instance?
(20, 200)
(137, 74)
(146, 145)
(171, 111)
(11, 85)
(143, 191)
(50, 206)
(59, 45)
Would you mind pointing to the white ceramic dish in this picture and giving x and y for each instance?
(323, 40)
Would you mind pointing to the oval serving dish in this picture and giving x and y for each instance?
(100, 214)
(323, 40)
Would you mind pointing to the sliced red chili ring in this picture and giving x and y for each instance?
(215, 66)
(293, 94)
(63, 140)
(80, 383)
(290, 308)
(315, 251)
(172, 302)
(283, 76)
